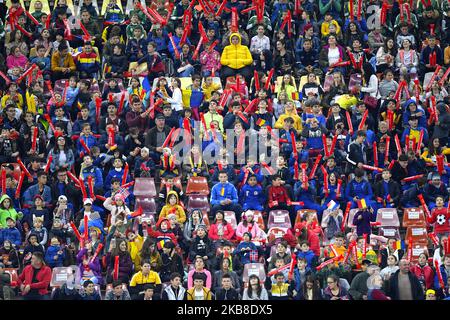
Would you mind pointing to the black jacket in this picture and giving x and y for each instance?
(394, 191)
(230, 294)
(151, 138)
(356, 153)
(416, 287)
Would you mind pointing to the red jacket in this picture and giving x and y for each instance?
(313, 231)
(441, 219)
(279, 194)
(425, 272)
(44, 277)
(228, 232)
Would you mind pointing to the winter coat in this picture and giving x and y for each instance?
(177, 209)
(43, 277)
(236, 56)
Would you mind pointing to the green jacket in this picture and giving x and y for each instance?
(6, 213)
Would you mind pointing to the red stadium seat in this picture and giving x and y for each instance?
(276, 233)
(230, 217)
(13, 275)
(148, 206)
(198, 202)
(419, 247)
(388, 217)
(144, 187)
(197, 185)
(254, 269)
(413, 217)
(389, 232)
(279, 218)
(417, 234)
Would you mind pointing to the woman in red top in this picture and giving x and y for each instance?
(35, 279)
(313, 230)
(220, 229)
(423, 271)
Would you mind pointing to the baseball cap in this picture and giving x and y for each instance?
(87, 201)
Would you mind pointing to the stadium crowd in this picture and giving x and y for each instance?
(348, 99)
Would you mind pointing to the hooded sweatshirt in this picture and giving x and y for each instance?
(236, 56)
(6, 213)
(175, 209)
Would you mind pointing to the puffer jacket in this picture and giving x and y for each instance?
(236, 56)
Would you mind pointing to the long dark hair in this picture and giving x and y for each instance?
(250, 288)
(315, 289)
(368, 71)
(392, 51)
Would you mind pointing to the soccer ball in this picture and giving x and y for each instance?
(441, 219)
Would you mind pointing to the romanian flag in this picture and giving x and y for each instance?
(332, 205)
(260, 122)
(361, 204)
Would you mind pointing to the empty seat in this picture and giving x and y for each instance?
(254, 269)
(61, 274)
(389, 232)
(351, 215)
(279, 218)
(230, 217)
(258, 217)
(197, 185)
(144, 187)
(413, 217)
(276, 233)
(417, 249)
(148, 206)
(198, 202)
(60, 85)
(417, 234)
(388, 217)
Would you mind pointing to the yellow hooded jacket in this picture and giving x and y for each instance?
(176, 209)
(236, 56)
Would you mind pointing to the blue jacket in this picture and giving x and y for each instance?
(254, 195)
(96, 173)
(358, 189)
(11, 234)
(256, 169)
(230, 192)
(32, 191)
(113, 173)
(51, 252)
(90, 142)
(76, 129)
(71, 95)
(243, 251)
(308, 256)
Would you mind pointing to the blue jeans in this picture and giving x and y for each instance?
(186, 73)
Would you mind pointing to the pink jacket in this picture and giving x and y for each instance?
(13, 61)
(210, 60)
(191, 278)
(256, 232)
